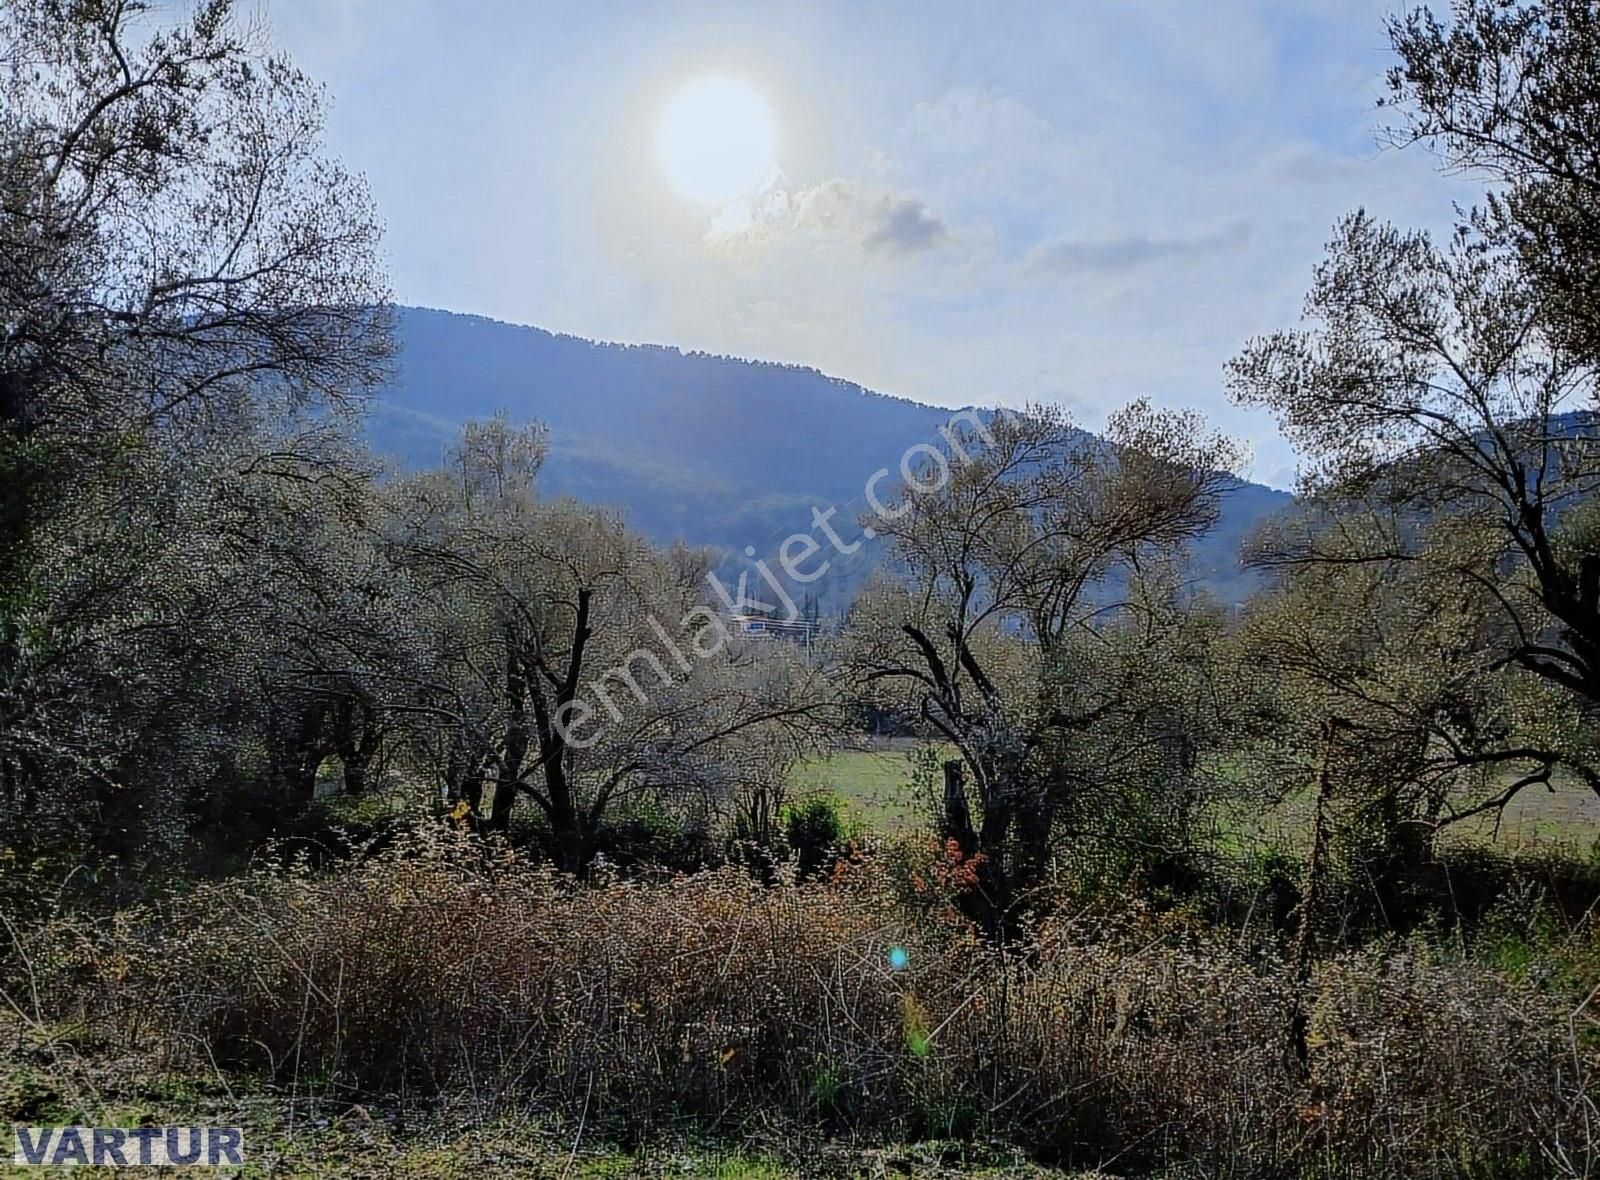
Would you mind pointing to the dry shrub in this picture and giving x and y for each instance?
(433, 969)
(1450, 1058)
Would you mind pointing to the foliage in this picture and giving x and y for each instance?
(574, 663)
(815, 829)
(1507, 91)
(432, 967)
(999, 637)
(189, 305)
(1438, 598)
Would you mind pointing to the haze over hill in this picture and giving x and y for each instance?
(705, 449)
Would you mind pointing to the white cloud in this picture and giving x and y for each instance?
(867, 218)
(1115, 255)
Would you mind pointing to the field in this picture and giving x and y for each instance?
(1568, 815)
(878, 783)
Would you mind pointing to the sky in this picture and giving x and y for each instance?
(987, 203)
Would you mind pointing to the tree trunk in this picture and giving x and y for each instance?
(987, 900)
(957, 819)
(571, 845)
(1310, 907)
(994, 869)
(517, 738)
(356, 742)
(570, 842)
(297, 747)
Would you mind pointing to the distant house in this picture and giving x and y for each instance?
(799, 631)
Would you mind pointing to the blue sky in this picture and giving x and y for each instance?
(975, 202)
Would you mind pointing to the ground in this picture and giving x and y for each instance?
(50, 1076)
(44, 1086)
(46, 1078)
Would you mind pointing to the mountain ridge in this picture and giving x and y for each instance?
(711, 450)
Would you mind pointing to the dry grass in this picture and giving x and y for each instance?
(717, 1003)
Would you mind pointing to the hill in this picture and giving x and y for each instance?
(707, 449)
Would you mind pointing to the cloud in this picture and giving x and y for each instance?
(906, 226)
(1122, 254)
(871, 218)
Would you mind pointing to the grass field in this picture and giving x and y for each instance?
(879, 785)
(1566, 816)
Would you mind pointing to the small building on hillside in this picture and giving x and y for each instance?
(799, 631)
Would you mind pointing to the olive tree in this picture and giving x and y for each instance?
(1429, 383)
(184, 274)
(173, 235)
(1028, 556)
(582, 667)
(1508, 91)
(1440, 599)
(1385, 685)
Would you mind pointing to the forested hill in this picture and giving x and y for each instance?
(712, 450)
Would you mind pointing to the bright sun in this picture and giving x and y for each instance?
(717, 141)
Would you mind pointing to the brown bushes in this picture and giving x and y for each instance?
(428, 971)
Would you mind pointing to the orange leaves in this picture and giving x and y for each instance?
(961, 871)
(948, 871)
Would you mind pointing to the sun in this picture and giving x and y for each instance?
(717, 141)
